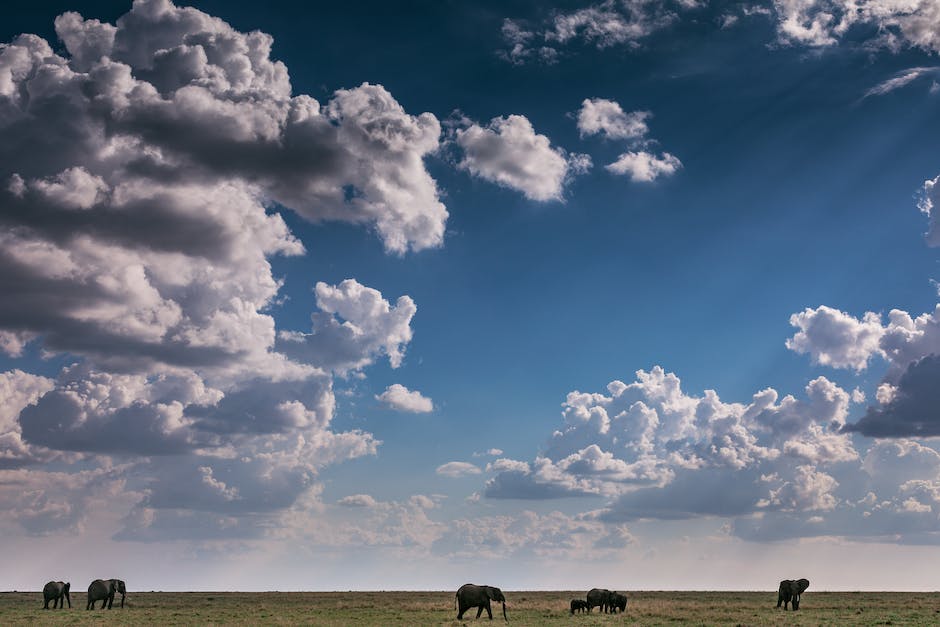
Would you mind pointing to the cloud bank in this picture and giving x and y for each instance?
(142, 175)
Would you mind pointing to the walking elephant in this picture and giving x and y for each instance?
(470, 595)
(56, 591)
(598, 597)
(617, 601)
(790, 591)
(578, 605)
(103, 590)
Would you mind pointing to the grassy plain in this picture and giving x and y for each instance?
(436, 608)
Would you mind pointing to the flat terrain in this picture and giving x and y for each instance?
(436, 608)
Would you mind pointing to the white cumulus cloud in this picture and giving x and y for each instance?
(601, 116)
(509, 152)
(834, 338)
(400, 398)
(642, 166)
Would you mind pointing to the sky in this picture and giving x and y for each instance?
(635, 294)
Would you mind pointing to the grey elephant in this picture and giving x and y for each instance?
(578, 605)
(56, 591)
(598, 597)
(790, 591)
(103, 590)
(617, 601)
(470, 595)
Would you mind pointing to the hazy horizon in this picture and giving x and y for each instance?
(637, 294)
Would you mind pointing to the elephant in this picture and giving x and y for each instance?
(578, 605)
(55, 591)
(598, 597)
(470, 595)
(103, 590)
(790, 591)
(617, 601)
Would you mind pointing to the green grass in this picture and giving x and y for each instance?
(436, 608)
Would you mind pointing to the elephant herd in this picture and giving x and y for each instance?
(608, 601)
(468, 596)
(471, 595)
(98, 590)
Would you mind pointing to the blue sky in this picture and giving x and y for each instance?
(637, 293)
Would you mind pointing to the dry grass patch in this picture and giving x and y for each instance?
(437, 608)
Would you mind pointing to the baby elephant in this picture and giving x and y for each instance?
(55, 591)
(578, 605)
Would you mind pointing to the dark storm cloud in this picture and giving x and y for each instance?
(915, 409)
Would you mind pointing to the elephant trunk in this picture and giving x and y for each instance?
(506, 618)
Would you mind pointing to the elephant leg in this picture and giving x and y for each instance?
(479, 611)
(460, 612)
(489, 610)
